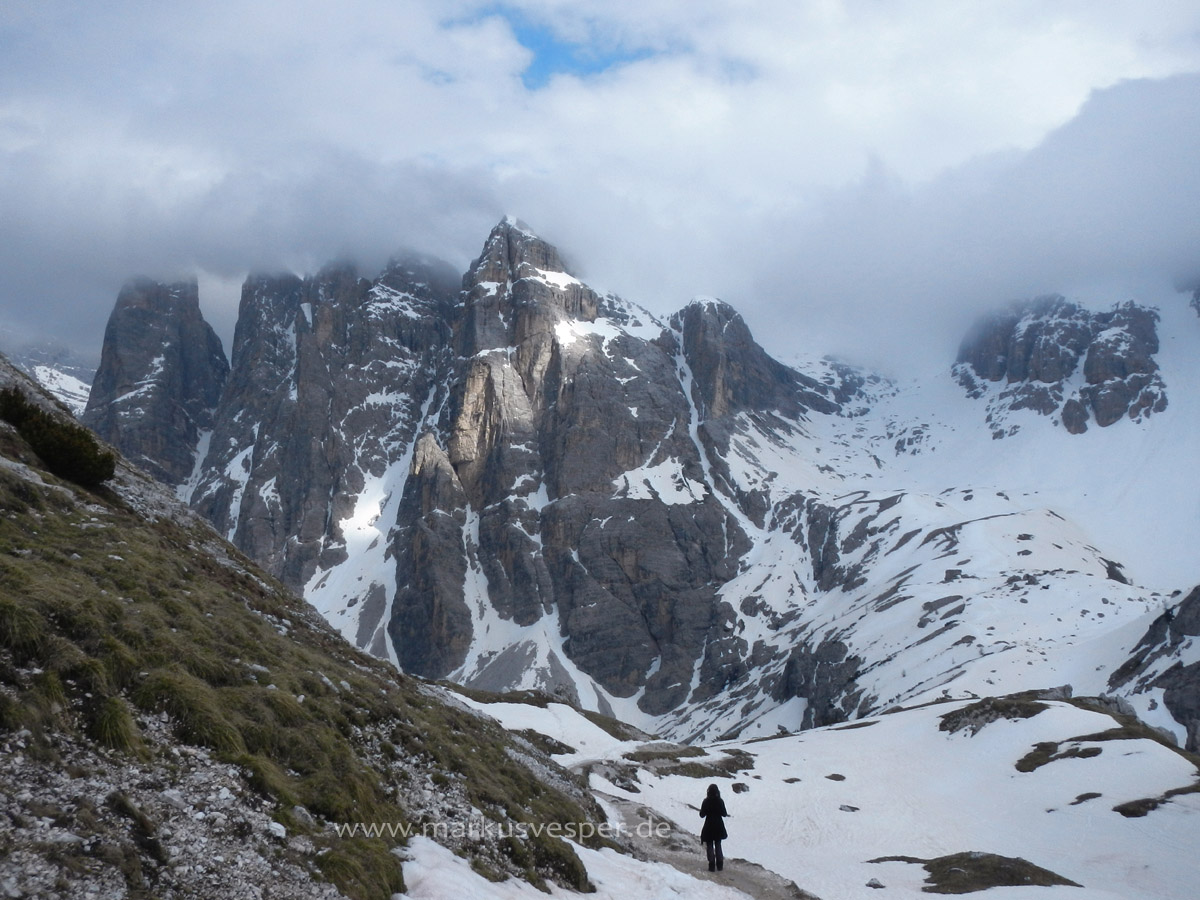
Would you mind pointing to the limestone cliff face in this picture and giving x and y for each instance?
(509, 479)
(732, 374)
(1056, 358)
(162, 370)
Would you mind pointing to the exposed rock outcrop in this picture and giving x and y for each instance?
(331, 377)
(1039, 351)
(824, 676)
(557, 416)
(732, 374)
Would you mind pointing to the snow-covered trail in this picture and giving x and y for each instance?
(661, 840)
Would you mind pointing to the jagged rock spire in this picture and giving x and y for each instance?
(162, 370)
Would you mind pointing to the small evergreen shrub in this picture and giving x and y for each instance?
(68, 450)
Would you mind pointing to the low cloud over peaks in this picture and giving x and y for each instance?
(841, 173)
(1106, 202)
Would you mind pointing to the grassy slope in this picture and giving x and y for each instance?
(107, 618)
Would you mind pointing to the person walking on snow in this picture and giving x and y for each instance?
(712, 810)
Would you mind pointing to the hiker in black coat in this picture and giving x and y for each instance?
(712, 810)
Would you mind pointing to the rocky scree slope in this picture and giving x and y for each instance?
(175, 723)
(515, 482)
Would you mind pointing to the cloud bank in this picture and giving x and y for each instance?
(855, 177)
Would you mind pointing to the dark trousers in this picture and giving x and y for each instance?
(713, 849)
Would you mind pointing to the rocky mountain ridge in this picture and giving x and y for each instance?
(515, 482)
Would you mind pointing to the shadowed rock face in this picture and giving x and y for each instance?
(824, 675)
(1036, 348)
(732, 374)
(161, 374)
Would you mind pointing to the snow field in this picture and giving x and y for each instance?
(908, 788)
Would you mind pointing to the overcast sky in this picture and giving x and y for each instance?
(857, 177)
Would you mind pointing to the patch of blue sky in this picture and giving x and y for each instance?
(552, 55)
